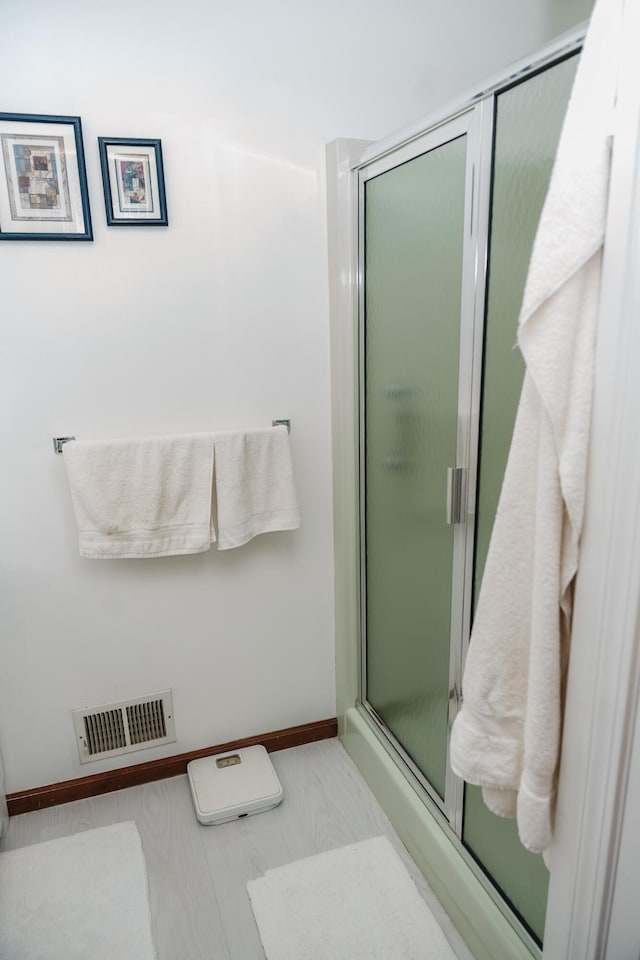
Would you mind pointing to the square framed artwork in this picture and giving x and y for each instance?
(133, 179)
(43, 181)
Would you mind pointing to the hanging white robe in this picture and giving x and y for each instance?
(506, 737)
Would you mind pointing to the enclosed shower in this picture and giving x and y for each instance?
(443, 223)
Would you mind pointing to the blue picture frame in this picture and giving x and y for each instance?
(133, 181)
(43, 180)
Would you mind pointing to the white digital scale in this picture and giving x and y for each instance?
(232, 785)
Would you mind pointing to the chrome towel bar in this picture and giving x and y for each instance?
(58, 442)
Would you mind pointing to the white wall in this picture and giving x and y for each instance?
(218, 321)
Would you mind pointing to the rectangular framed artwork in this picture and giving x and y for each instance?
(133, 179)
(43, 182)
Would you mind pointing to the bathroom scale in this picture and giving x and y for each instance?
(233, 785)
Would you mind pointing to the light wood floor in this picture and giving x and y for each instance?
(198, 875)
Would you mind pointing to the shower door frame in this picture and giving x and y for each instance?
(449, 813)
(475, 123)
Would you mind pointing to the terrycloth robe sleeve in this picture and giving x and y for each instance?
(506, 737)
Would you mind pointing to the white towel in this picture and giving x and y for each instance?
(507, 736)
(254, 489)
(147, 497)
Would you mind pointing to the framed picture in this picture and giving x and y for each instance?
(133, 179)
(43, 182)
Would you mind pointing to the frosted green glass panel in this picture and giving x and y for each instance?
(528, 123)
(414, 218)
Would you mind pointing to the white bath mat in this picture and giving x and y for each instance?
(82, 897)
(354, 903)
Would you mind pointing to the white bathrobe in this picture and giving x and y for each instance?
(506, 737)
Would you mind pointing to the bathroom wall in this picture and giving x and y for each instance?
(216, 322)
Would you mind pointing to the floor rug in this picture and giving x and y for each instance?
(354, 903)
(82, 897)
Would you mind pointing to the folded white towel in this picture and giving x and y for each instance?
(254, 490)
(147, 497)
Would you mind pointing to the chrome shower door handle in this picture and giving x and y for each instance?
(456, 494)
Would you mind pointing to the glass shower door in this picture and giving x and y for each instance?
(414, 210)
(439, 387)
(528, 121)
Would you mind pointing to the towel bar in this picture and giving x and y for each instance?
(58, 442)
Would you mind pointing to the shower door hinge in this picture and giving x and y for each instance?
(456, 494)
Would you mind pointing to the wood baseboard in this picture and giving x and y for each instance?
(38, 798)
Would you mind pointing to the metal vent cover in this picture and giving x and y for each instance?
(124, 726)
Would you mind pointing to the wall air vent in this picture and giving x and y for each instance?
(124, 726)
